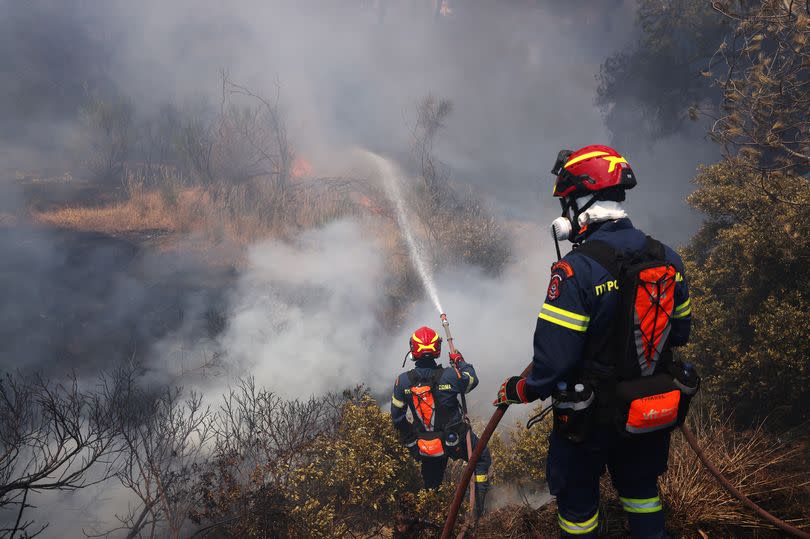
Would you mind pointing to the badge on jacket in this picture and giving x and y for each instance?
(559, 272)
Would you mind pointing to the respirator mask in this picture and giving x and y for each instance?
(567, 226)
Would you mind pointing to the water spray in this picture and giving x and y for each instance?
(391, 184)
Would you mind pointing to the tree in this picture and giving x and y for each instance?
(164, 439)
(108, 136)
(456, 224)
(647, 90)
(750, 288)
(766, 84)
(52, 437)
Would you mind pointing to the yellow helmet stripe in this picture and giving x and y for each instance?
(585, 156)
(614, 161)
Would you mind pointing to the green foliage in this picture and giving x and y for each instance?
(354, 478)
(650, 87)
(344, 473)
(764, 82)
(520, 458)
(751, 290)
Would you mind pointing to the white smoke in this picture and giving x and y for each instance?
(302, 319)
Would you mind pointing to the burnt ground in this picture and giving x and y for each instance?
(84, 301)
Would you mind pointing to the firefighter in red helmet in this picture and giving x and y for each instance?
(438, 430)
(615, 307)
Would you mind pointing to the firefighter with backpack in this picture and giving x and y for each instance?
(615, 307)
(439, 429)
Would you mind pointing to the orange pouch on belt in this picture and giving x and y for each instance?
(652, 413)
(648, 404)
(431, 448)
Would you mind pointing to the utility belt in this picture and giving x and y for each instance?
(438, 443)
(647, 404)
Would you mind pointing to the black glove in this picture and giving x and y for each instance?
(511, 392)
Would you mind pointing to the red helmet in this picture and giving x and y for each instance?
(589, 169)
(425, 344)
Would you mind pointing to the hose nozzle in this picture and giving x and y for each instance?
(443, 317)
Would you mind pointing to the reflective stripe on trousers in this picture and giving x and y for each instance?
(642, 505)
(579, 528)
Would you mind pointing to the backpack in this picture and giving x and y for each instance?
(643, 389)
(431, 437)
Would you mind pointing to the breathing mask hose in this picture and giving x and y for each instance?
(446, 325)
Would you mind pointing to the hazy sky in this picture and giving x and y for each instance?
(520, 74)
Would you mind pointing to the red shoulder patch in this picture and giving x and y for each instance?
(560, 271)
(563, 266)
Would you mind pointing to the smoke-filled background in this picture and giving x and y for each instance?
(304, 314)
(522, 78)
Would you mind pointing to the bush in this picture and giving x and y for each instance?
(456, 224)
(520, 456)
(353, 479)
(327, 467)
(750, 287)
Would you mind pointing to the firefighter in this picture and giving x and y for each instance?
(438, 430)
(578, 352)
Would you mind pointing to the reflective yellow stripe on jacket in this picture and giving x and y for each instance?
(683, 310)
(470, 382)
(566, 319)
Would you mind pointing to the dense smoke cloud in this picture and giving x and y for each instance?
(306, 316)
(521, 76)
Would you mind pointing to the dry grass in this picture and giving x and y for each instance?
(237, 215)
(762, 466)
(145, 213)
(521, 522)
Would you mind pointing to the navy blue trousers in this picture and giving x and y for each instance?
(573, 472)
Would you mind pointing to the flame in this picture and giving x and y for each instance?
(301, 168)
(370, 205)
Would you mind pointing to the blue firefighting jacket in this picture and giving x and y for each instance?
(582, 300)
(448, 387)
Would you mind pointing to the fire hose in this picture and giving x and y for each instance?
(446, 325)
(466, 475)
